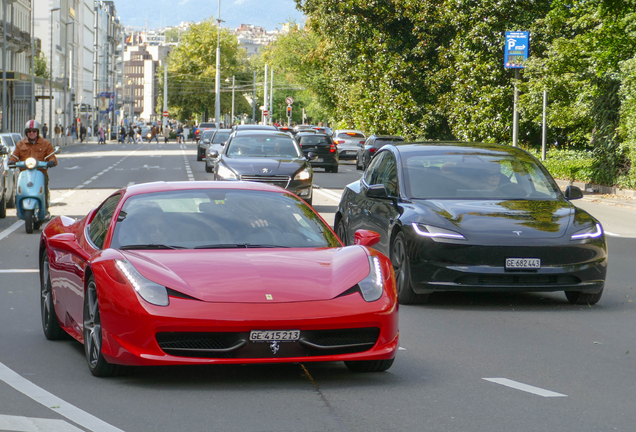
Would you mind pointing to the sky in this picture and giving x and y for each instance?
(269, 14)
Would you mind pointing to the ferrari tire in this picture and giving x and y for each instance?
(50, 323)
(341, 231)
(97, 365)
(580, 298)
(400, 261)
(3, 206)
(28, 221)
(369, 365)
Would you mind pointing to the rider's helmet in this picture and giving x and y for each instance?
(30, 126)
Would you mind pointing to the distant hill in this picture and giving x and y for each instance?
(162, 13)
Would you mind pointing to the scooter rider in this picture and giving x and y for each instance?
(36, 147)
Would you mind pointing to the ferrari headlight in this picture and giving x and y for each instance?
(303, 175)
(148, 290)
(436, 232)
(372, 286)
(30, 163)
(225, 173)
(590, 232)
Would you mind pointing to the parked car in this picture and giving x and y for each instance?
(284, 289)
(217, 142)
(371, 146)
(475, 217)
(266, 157)
(347, 141)
(8, 140)
(324, 153)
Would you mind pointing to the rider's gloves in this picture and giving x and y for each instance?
(51, 164)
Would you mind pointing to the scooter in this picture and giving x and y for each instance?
(30, 201)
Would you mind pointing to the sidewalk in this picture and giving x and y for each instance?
(603, 194)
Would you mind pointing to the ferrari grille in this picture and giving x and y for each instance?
(311, 343)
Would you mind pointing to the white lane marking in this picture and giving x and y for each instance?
(12, 228)
(524, 387)
(54, 403)
(73, 168)
(29, 424)
(187, 166)
(327, 194)
(611, 234)
(20, 271)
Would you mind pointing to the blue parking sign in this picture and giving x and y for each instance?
(516, 49)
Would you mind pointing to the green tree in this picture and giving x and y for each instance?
(192, 73)
(41, 66)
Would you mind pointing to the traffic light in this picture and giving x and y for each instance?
(289, 111)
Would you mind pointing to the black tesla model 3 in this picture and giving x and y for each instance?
(475, 217)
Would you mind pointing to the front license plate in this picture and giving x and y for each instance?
(274, 335)
(318, 160)
(523, 263)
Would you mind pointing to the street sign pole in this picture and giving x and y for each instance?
(515, 112)
(544, 133)
(515, 53)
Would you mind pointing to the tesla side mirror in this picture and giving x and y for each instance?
(378, 191)
(213, 154)
(366, 238)
(572, 193)
(67, 242)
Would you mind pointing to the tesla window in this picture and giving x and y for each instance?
(219, 219)
(476, 176)
(263, 146)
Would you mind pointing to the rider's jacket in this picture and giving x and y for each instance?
(38, 150)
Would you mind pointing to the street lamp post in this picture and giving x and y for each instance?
(217, 101)
(66, 80)
(233, 81)
(57, 8)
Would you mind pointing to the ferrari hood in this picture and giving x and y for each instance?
(255, 275)
(518, 218)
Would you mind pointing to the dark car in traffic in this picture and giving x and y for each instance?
(320, 150)
(265, 156)
(475, 217)
(215, 143)
(371, 146)
(202, 128)
(204, 143)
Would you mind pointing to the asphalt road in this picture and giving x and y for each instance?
(468, 362)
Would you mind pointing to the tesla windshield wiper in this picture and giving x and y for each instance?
(237, 246)
(151, 246)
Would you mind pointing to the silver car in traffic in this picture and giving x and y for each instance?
(347, 141)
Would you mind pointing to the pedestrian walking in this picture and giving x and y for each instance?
(45, 129)
(179, 134)
(130, 136)
(138, 138)
(57, 130)
(122, 134)
(166, 134)
(82, 133)
(89, 132)
(102, 135)
(153, 134)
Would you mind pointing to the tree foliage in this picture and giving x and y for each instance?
(192, 73)
(41, 66)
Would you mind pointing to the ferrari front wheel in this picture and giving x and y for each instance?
(98, 366)
(369, 365)
(400, 261)
(50, 323)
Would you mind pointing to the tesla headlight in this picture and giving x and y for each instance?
(372, 286)
(436, 232)
(225, 173)
(303, 175)
(148, 290)
(30, 163)
(594, 231)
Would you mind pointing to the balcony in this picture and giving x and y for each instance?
(17, 40)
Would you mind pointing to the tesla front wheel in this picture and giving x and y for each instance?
(369, 365)
(28, 221)
(50, 323)
(580, 298)
(400, 261)
(341, 231)
(98, 366)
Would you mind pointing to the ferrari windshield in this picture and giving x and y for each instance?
(476, 175)
(276, 145)
(219, 218)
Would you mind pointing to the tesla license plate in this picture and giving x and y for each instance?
(274, 335)
(523, 263)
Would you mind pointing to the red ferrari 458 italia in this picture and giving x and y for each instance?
(198, 273)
